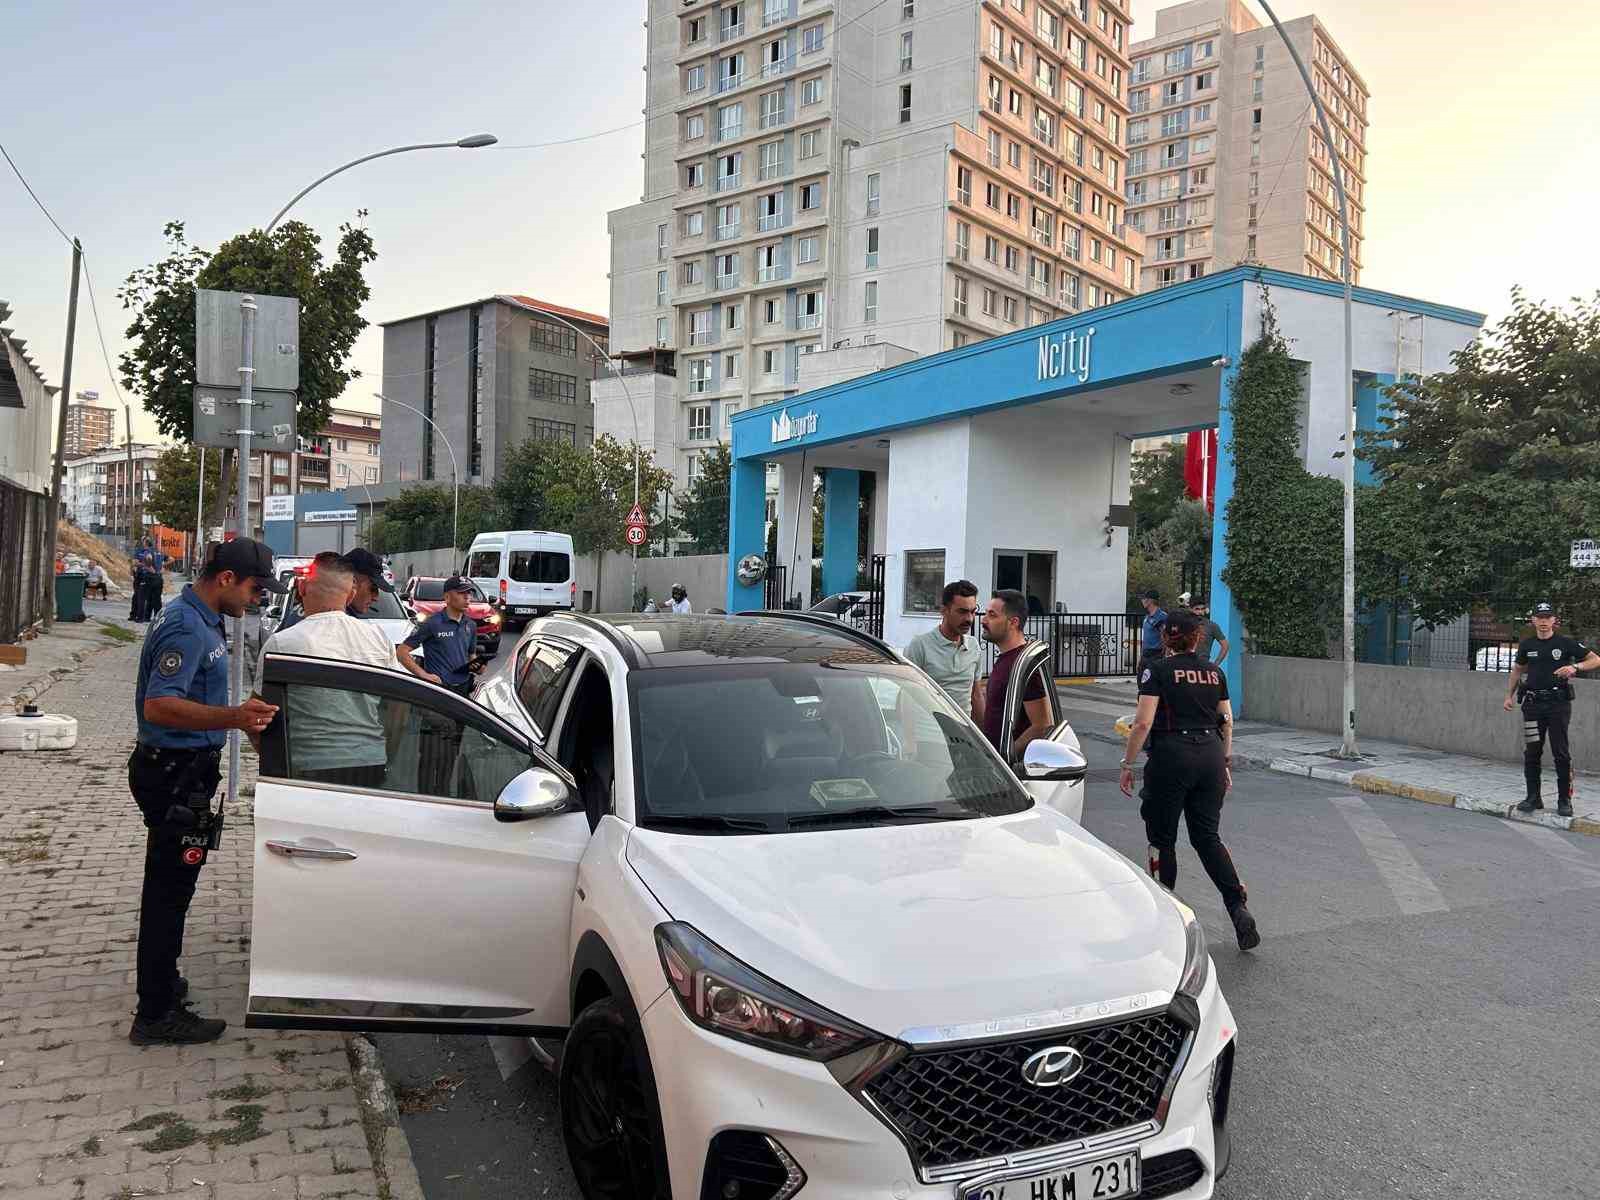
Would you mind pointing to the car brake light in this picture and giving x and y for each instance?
(502, 591)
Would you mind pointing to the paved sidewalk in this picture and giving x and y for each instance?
(52, 656)
(1389, 768)
(85, 1115)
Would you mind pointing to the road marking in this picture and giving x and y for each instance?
(1413, 891)
(1559, 845)
(511, 1054)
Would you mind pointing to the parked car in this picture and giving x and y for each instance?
(530, 571)
(386, 610)
(844, 606)
(715, 859)
(425, 595)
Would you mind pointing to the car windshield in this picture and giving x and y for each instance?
(386, 607)
(775, 748)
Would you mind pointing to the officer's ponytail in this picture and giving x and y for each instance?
(1181, 640)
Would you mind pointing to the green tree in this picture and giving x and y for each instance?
(1157, 486)
(160, 365)
(703, 506)
(177, 487)
(420, 518)
(1488, 472)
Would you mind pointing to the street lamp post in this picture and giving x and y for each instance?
(455, 476)
(1347, 746)
(372, 508)
(474, 142)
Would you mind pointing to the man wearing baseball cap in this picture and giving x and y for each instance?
(447, 639)
(1542, 680)
(370, 579)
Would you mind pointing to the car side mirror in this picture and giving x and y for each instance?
(536, 792)
(1051, 761)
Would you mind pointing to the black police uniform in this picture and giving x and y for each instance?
(173, 775)
(1184, 774)
(1547, 709)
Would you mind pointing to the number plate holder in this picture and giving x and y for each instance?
(1111, 1177)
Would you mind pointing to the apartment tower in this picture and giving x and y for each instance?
(1225, 160)
(90, 428)
(915, 175)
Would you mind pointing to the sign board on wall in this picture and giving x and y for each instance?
(328, 516)
(277, 508)
(1585, 553)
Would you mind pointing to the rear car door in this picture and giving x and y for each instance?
(387, 894)
(1034, 666)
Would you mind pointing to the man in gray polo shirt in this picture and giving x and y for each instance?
(948, 652)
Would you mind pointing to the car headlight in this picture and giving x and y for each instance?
(719, 993)
(494, 618)
(1196, 957)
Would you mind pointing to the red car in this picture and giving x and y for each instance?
(425, 594)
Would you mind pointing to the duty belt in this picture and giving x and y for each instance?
(157, 753)
(1181, 732)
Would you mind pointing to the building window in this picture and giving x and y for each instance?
(733, 318)
(1014, 155)
(994, 148)
(694, 79)
(808, 314)
(963, 242)
(1205, 81)
(871, 301)
(810, 144)
(727, 270)
(1255, 90)
(661, 287)
(699, 376)
(771, 362)
(1013, 260)
(991, 302)
(771, 160)
(1014, 206)
(694, 176)
(810, 249)
(905, 104)
(771, 109)
(960, 306)
(810, 197)
(699, 422)
(769, 267)
(1014, 102)
(1250, 247)
(693, 273)
(905, 51)
(662, 331)
(811, 91)
(732, 369)
(964, 185)
(552, 387)
(1255, 118)
(694, 127)
(772, 311)
(924, 580)
(1201, 145)
(694, 224)
(812, 40)
(991, 249)
(1011, 310)
(1199, 177)
(728, 221)
(550, 338)
(1261, 57)
(872, 246)
(991, 195)
(908, 9)
(872, 195)
(542, 430)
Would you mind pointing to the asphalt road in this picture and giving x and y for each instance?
(1422, 1019)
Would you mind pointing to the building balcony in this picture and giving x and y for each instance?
(727, 83)
(731, 32)
(727, 232)
(728, 183)
(771, 274)
(728, 133)
(771, 222)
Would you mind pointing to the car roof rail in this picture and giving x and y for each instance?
(821, 622)
(625, 646)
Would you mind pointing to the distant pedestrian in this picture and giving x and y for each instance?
(1002, 625)
(1211, 634)
(1150, 628)
(153, 579)
(680, 599)
(447, 639)
(138, 592)
(1541, 680)
(181, 705)
(97, 581)
(948, 652)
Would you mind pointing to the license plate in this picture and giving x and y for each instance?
(1103, 1179)
(521, 611)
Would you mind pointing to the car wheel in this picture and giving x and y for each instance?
(610, 1115)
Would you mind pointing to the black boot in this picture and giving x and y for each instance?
(1245, 926)
(1564, 807)
(1531, 804)
(180, 1027)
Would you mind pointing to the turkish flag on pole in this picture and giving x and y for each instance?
(1200, 468)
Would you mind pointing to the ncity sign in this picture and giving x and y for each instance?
(785, 429)
(1065, 354)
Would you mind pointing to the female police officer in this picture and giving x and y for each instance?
(180, 702)
(1184, 711)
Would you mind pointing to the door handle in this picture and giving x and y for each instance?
(296, 850)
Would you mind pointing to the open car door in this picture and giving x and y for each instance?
(415, 860)
(1047, 783)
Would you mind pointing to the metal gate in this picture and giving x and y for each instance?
(875, 595)
(777, 577)
(1195, 577)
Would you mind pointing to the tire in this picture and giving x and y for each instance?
(610, 1113)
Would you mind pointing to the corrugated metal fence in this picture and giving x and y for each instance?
(23, 521)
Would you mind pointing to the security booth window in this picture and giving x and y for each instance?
(925, 580)
(540, 566)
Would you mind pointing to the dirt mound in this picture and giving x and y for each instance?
(72, 540)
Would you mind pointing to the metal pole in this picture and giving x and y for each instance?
(127, 413)
(241, 525)
(466, 143)
(199, 515)
(455, 517)
(1347, 746)
(58, 472)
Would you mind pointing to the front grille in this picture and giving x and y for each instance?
(1169, 1174)
(962, 1105)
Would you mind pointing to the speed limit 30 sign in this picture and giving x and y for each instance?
(635, 535)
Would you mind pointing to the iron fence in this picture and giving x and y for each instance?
(23, 527)
(1083, 644)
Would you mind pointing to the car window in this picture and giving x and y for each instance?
(429, 589)
(782, 747)
(349, 738)
(482, 564)
(539, 566)
(1039, 680)
(543, 676)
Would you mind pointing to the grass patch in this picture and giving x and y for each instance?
(286, 1057)
(117, 633)
(92, 1147)
(28, 848)
(248, 1090)
(246, 1120)
(172, 1132)
(412, 1100)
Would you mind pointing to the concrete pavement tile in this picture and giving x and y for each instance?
(122, 1185)
(314, 1186)
(278, 1189)
(65, 1190)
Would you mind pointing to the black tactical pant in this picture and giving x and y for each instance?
(1183, 778)
(137, 598)
(173, 789)
(1546, 716)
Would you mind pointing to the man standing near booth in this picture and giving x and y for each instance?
(948, 652)
(1002, 625)
(1155, 618)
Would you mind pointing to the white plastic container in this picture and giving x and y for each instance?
(34, 730)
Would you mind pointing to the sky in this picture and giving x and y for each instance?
(216, 113)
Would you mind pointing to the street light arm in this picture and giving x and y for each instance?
(455, 475)
(465, 143)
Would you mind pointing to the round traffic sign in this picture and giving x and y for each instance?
(636, 535)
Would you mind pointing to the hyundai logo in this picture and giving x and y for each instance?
(1052, 1066)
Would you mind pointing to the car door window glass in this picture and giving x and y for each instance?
(539, 566)
(586, 745)
(546, 671)
(350, 738)
(484, 564)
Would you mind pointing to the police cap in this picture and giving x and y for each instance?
(247, 558)
(457, 584)
(364, 562)
(1544, 609)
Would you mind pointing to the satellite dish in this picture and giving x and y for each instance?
(751, 570)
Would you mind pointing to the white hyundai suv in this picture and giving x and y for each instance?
(787, 921)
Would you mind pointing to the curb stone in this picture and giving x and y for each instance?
(380, 1117)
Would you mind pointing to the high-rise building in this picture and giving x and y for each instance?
(90, 427)
(1225, 160)
(489, 375)
(824, 173)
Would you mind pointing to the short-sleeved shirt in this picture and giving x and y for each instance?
(682, 606)
(952, 665)
(1210, 638)
(447, 646)
(185, 655)
(994, 708)
(1541, 658)
(1189, 690)
(334, 728)
(1150, 630)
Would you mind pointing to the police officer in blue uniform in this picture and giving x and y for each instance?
(181, 703)
(448, 640)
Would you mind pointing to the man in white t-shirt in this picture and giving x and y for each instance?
(680, 599)
(338, 735)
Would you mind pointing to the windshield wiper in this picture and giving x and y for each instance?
(874, 812)
(709, 821)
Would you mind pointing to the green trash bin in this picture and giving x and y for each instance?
(69, 595)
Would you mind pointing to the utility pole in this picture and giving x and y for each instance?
(127, 412)
(247, 374)
(48, 571)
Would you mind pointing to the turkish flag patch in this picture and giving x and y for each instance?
(194, 856)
